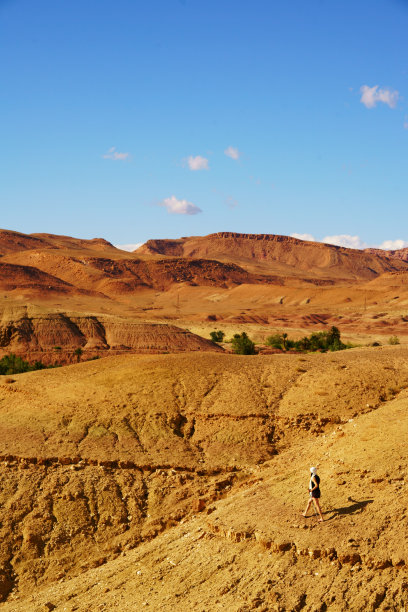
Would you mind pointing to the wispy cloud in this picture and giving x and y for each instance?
(232, 152)
(128, 247)
(345, 240)
(304, 237)
(231, 202)
(393, 245)
(113, 154)
(197, 163)
(180, 207)
(370, 96)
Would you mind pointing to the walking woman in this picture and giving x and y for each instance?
(314, 493)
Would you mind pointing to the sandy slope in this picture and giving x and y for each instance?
(253, 550)
(104, 456)
(175, 481)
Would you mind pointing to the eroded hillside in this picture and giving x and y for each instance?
(252, 549)
(102, 457)
(53, 337)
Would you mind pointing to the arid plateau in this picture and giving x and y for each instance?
(154, 469)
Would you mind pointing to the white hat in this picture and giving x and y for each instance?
(313, 470)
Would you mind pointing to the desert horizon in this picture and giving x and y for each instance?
(148, 463)
(203, 306)
(74, 293)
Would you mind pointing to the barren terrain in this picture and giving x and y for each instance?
(184, 486)
(172, 474)
(234, 282)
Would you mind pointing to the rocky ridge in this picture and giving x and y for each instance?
(290, 253)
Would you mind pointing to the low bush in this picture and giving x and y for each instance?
(393, 340)
(217, 336)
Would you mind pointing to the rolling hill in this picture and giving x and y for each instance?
(143, 479)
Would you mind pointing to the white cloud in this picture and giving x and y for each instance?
(354, 242)
(128, 247)
(232, 152)
(304, 237)
(113, 154)
(197, 162)
(345, 240)
(393, 245)
(179, 207)
(371, 95)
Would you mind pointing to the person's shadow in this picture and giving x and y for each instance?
(356, 507)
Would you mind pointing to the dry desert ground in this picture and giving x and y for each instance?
(169, 473)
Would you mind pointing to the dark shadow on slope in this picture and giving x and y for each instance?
(356, 507)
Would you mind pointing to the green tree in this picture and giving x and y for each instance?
(276, 341)
(11, 364)
(333, 340)
(217, 336)
(304, 344)
(242, 345)
(38, 365)
(78, 352)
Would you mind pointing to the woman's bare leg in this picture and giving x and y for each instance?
(316, 503)
(307, 507)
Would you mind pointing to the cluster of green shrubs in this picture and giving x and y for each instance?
(12, 364)
(241, 344)
(317, 341)
(217, 336)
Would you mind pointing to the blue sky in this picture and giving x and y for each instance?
(132, 120)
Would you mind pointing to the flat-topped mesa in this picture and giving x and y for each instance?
(268, 237)
(286, 254)
(165, 246)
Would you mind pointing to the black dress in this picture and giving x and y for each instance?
(316, 492)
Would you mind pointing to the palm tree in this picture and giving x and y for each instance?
(78, 352)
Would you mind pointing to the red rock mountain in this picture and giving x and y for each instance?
(240, 279)
(280, 254)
